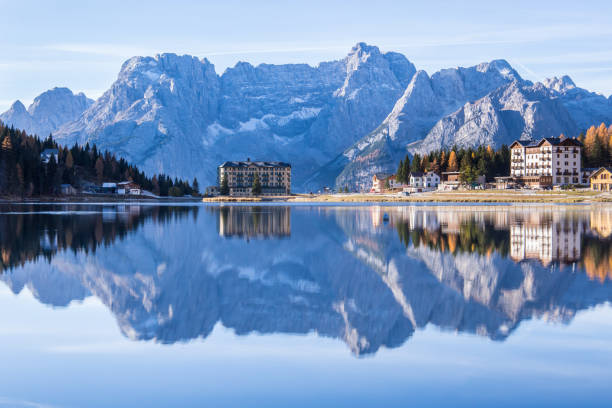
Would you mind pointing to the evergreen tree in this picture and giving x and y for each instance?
(224, 189)
(256, 189)
(415, 166)
(51, 176)
(399, 175)
(195, 187)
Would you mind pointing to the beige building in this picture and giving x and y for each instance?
(547, 162)
(378, 182)
(601, 179)
(275, 177)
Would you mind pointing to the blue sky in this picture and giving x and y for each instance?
(82, 44)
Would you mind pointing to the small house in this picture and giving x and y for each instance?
(128, 187)
(601, 179)
(419, 182)
(378, 182)
(109, 188)
(585, 174)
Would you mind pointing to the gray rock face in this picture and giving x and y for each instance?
(337, 123)
(424, 101)
(174, 114)
(514, 111)
(48, 112)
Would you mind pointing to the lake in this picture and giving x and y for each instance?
(305, 305)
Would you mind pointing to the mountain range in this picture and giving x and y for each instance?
(337, 123)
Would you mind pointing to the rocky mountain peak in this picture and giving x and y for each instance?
(16, 108)
(562, 84)
(500, 66)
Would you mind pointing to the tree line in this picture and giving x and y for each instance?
(29, 234)
(24, 173)
(597, 143)
(470, 162)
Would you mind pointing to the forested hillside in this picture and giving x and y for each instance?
(24, 173)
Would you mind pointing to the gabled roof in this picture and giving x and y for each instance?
(416, 174)
(382, 176)
(595, 173)
(554, 141)
(557, 141)
(245, 164)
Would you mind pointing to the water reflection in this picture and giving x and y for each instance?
(370, 276)
(254, 222)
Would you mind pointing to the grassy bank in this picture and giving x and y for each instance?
(472, 196)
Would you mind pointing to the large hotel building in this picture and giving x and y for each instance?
(275, 177)
(547, 162)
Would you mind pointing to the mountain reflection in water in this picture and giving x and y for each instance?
(169, 273)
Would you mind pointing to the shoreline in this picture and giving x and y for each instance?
(475, 196)
(98, 199)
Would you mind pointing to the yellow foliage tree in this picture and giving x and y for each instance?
(590, 142)
(452, 161)
(602, 133)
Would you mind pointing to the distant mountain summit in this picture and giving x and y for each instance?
(337, 123)
(48, 112)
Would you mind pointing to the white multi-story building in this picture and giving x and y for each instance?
(546, 240)
(547, 162)
(427, 181)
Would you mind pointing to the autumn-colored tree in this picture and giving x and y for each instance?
(592, 146)
(69, 160)
(452, 161)
(435, 166)
(490, 152)
(425, 163)
(99, 170)
(602, 133)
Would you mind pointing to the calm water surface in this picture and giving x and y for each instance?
(300, 306)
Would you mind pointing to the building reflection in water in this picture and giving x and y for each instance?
(369, 276)
(254, 221)
(547, 235)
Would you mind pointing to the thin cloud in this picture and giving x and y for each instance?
(16, 403)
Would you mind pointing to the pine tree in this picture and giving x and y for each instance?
(415, 166)
(256, 190)
(195, 186)
(20, 180)
(51, 176)
(399, 175)
(406, 171)
(224, 189)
